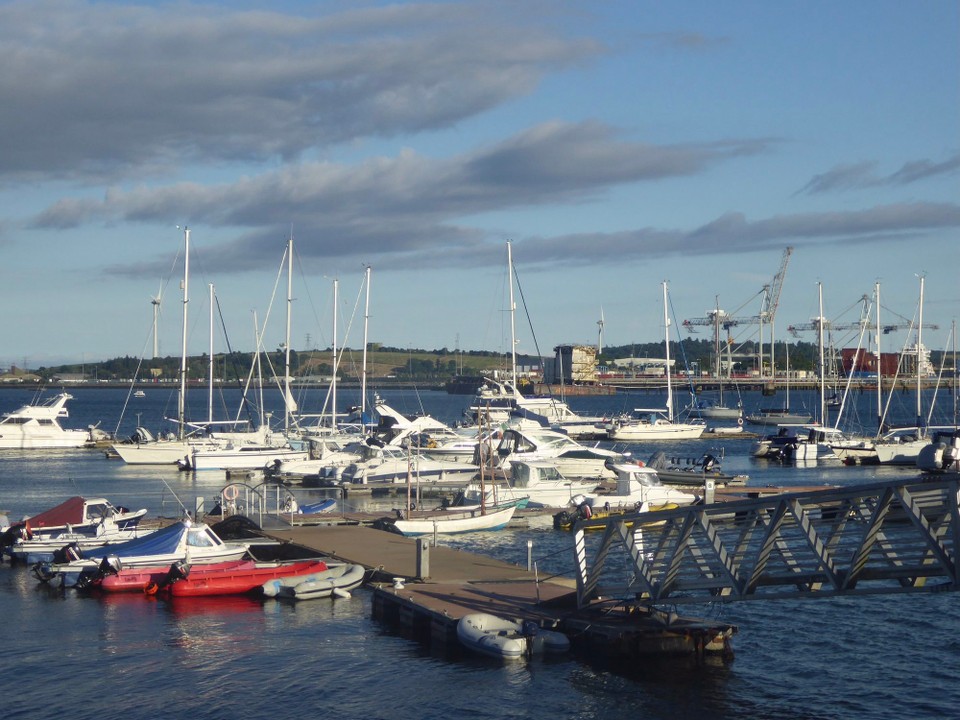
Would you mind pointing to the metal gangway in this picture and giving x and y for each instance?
(889, 537)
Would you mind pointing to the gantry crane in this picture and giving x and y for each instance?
(718, 319)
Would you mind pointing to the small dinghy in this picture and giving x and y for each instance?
(508, 639)
(336, 581)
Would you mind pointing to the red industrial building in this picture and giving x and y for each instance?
(859, 362)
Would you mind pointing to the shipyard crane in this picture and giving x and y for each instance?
(885, 328)
(718, 319)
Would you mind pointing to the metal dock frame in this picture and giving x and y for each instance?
(900, 536)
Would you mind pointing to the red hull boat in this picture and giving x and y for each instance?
(227, 578)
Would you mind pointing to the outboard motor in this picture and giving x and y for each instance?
(66, 554)
(43, 572)
(179, 570)
(110, 565)
(709, 461)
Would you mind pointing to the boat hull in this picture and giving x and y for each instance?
(460, 523)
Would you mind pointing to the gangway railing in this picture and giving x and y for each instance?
(875, 538)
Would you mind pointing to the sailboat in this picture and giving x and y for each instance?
(499, 400)
(717, 410)
(262, 447)
(656, 424)
(780, 416)
(144, 448)
(902, 445)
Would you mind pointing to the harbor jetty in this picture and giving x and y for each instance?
(423, 591)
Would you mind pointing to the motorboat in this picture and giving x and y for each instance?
(89, 522)
(695, 472)
(392, 465)
(334, 581)
(37, 427)
(180, 579)
(942, 454)
(498, 401)
(507, 639)
(637, 484)
(245, 577)
(545, 486)
(194, 543)
(772, 444)
(523, 441)
(816, 444)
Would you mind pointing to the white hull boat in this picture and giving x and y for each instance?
(637, 485)
(649, 425)
(505, 639)
(181, 541)
(37, 427)
(545, 486)
(450, 523)
(524, 441)
(243, 457)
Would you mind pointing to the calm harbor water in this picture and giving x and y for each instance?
(105, 657)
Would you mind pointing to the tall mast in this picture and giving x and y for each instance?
(210, 388)
(876, 292)
(513, 328)
(919, 342)
(366, 323)
(823, 398)
(287, 398)
(333, 383)
(666, 342)
(182, 400)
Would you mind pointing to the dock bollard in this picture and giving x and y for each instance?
(710, 487)
(423, 558)
(529, 555)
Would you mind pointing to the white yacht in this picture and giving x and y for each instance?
(34, 427)
(652, 424)
(529, 441)
(638, 485)
(545, 486)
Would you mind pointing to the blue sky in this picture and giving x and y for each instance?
(616, 144)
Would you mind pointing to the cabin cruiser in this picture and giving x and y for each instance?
(942, 454)
(637, 485)
(35, 427)
(545, 486)
(529, 441)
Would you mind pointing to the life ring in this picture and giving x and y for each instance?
(230, 492)
(740, 421)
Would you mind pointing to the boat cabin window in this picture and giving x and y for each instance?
(97, 511)
(15, 421)
(199, 538)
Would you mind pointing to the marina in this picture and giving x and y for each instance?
(413, 623)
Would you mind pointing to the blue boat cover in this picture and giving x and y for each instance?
(162, 542)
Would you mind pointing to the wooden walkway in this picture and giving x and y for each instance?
(427, 605)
